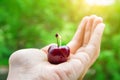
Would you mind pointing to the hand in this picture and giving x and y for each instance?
(32, 64)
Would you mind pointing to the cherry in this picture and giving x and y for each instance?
(57, 53)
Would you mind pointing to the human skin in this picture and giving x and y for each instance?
(32, 64)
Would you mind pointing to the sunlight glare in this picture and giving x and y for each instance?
(100, 2)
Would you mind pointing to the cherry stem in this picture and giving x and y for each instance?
(58, 37)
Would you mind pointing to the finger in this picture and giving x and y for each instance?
(96, 37)
(81, 61)
(88, 30)
(96, 21)
(45, 49)
(76, 42)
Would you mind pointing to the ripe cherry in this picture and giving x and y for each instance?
(57, 53)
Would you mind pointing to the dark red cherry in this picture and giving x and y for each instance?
(57, 53)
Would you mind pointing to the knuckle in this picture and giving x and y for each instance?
(98, 19)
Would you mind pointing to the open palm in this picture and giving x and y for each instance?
(32, 64)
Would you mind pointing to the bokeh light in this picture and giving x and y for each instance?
(100, 2)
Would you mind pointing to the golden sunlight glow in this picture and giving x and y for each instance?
(100, 2)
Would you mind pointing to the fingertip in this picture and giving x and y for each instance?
(85, 18)
(99, 29)
(93, 16)
(100, 18)
(101, 26)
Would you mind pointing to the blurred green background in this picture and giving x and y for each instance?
(33, 24)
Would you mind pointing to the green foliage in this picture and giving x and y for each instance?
(33, 23)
